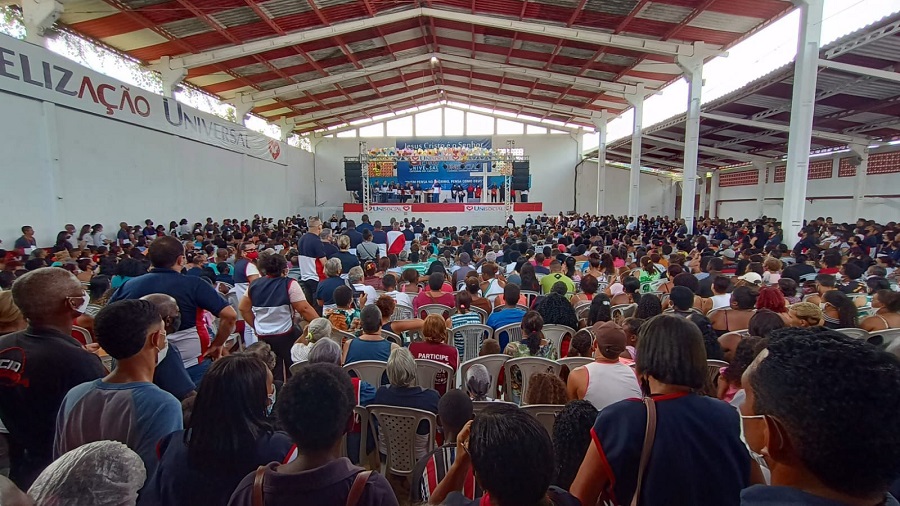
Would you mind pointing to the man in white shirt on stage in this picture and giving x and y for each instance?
(436, 190)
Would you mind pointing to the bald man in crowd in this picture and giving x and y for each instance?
(40, 364)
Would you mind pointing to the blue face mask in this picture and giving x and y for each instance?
(271, 403)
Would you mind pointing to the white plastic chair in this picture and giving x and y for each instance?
(427, 372)
(528, 366)
(402, 312)
(392, 337)
(582, 310)
(555, 334)
(341, 335)
(370, 371)
(439, 309)
(888, 340)
(362, 416)
(481, 312)
(621, 311)
(529, 296)
(84, 333)
(493, 363)
(297, 366)
(575, 362)
(545, 414)
(472, 336)
(398, 428)
(855, 333)
(712, 370)
(513, 333)
(479, 406)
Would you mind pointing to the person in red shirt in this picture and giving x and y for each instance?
(477, 193)
(435, 347)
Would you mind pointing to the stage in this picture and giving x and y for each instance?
(447, 214)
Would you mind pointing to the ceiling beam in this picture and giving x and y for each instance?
(536, 103)
(359, 106)
(765, 125)
(737, 155)
(531, 122)
(859, 69)
(260, 96)
(648, 159)
(583, 35)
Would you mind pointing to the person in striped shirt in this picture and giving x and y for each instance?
(463, 316)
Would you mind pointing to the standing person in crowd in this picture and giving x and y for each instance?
(228, 436)
(26, 244)
(269, 308)
(312, 258)
(606, 380)
(314, 407)
(435, 347)
(700, 432)
(348, 260)
(511, 473)
(42, 363)
(125, 405)
(194, 296)
(789, 386)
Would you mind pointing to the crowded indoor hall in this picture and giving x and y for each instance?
(496, 254)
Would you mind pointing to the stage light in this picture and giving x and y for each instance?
(434, 60)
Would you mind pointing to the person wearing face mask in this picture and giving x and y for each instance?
(39, 366)
(701, 434)
(228, 435)
(170, 374)
(124, 406)
(812, 458)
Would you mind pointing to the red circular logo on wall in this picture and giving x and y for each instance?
(274, 149)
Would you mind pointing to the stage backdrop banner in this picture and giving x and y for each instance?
(447, 173)
(35, 72)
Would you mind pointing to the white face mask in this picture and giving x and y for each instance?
(86, 300)
(162, 353)
(271, 402)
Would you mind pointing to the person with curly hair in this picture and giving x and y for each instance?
(545, 388)
(729, 381)
(314, 408)
(812, 459)
(571, 439)
(648, 307)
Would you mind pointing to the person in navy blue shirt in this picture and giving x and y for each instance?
(354, 234)
(827, 441)
(697, 456)
(379, 236)
(365, 225)
(194, 296)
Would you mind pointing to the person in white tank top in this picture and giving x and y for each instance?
(607, 380)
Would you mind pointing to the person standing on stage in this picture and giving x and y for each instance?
(436, 189)
(493, 193)
(478, 193)
(470, 192)
(419, 193)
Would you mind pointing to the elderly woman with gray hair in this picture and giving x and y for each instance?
(478, 383)
(317, 329)
(403, 392)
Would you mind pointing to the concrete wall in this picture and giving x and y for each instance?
(657, 193)
(61, 166)
(733, 199)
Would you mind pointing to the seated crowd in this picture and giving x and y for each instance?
(571, 360)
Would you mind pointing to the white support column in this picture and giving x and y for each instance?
(241, 108)
(861, 152)
(760, 188)
(602, 125)
(693, 73)
(38, 16)
(634, 194)
(171, 78)
(286, 129)
(802, 108)
(701, 185)
(714, 195)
